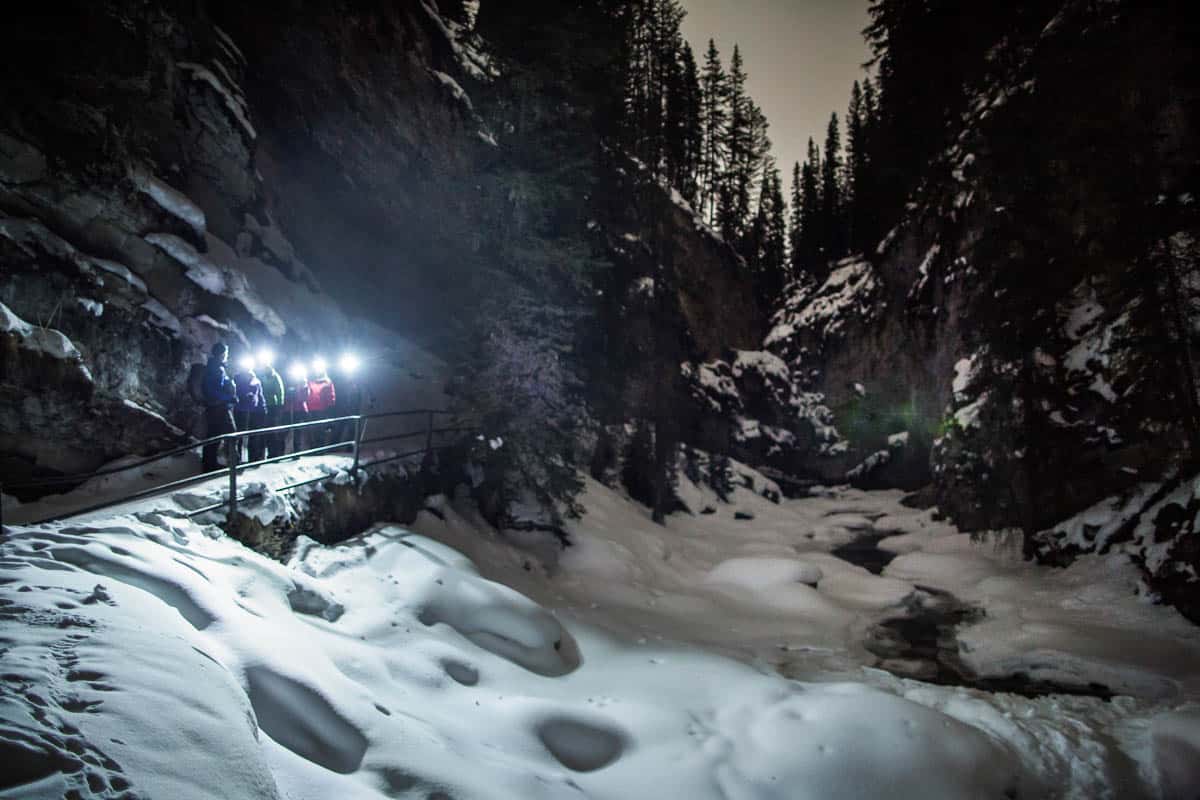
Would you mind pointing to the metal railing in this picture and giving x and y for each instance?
(231, 443)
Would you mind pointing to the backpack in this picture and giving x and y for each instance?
(195, 383)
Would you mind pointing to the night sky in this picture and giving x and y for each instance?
(801, 55)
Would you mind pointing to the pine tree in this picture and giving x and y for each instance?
(714, 87)
(776, 248)
(689, 127)
(733, 193)
(795, 226)
(855, 166)
(811, 230)
(831, 200)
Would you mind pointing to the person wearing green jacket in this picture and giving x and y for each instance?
(272, 386)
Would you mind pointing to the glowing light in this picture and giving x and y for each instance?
(297, 372)
(246, 362)
(349, 362)
(266, 357)
(319, 366)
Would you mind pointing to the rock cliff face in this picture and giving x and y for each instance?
(147, 175)
(370, 146)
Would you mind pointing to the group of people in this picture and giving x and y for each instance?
(256, 396)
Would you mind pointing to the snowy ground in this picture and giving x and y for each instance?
(146, 655)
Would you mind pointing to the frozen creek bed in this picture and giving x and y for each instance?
(147, 656)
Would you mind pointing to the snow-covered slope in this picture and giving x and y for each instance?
(440, 662)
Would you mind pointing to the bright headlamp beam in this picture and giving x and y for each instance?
(319, 366)
(349, 362)
(297, 372)
(246, 363)
(266, 357)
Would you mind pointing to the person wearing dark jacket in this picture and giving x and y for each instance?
(273, 395)
(251, 408)
(295, 404)
(220, 395)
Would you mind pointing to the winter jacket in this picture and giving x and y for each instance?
(218, 389)
(321, 395)
(296, 399)
(249, 393)
(272, 386)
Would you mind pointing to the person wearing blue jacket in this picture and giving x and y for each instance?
(251, 409)
(220, 395)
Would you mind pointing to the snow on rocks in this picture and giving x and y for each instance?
(755, 394)
(160, 316)
(966, 371)
(32, 237)
(1091, 355)
(174, 202)
(219, 279)
(1093, 529)
(464, 42)
(230, 97)
(93, 307)
(44, 341)
(123, 272)
(851, 292)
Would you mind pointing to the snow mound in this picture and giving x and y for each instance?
(392, 665)
(835, 741)
(759, 573)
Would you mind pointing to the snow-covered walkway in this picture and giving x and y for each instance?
(153, 656)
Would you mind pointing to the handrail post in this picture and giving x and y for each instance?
(429, 436)
(360, 427)
(231, 455)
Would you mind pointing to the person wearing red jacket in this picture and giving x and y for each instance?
(322, 398)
